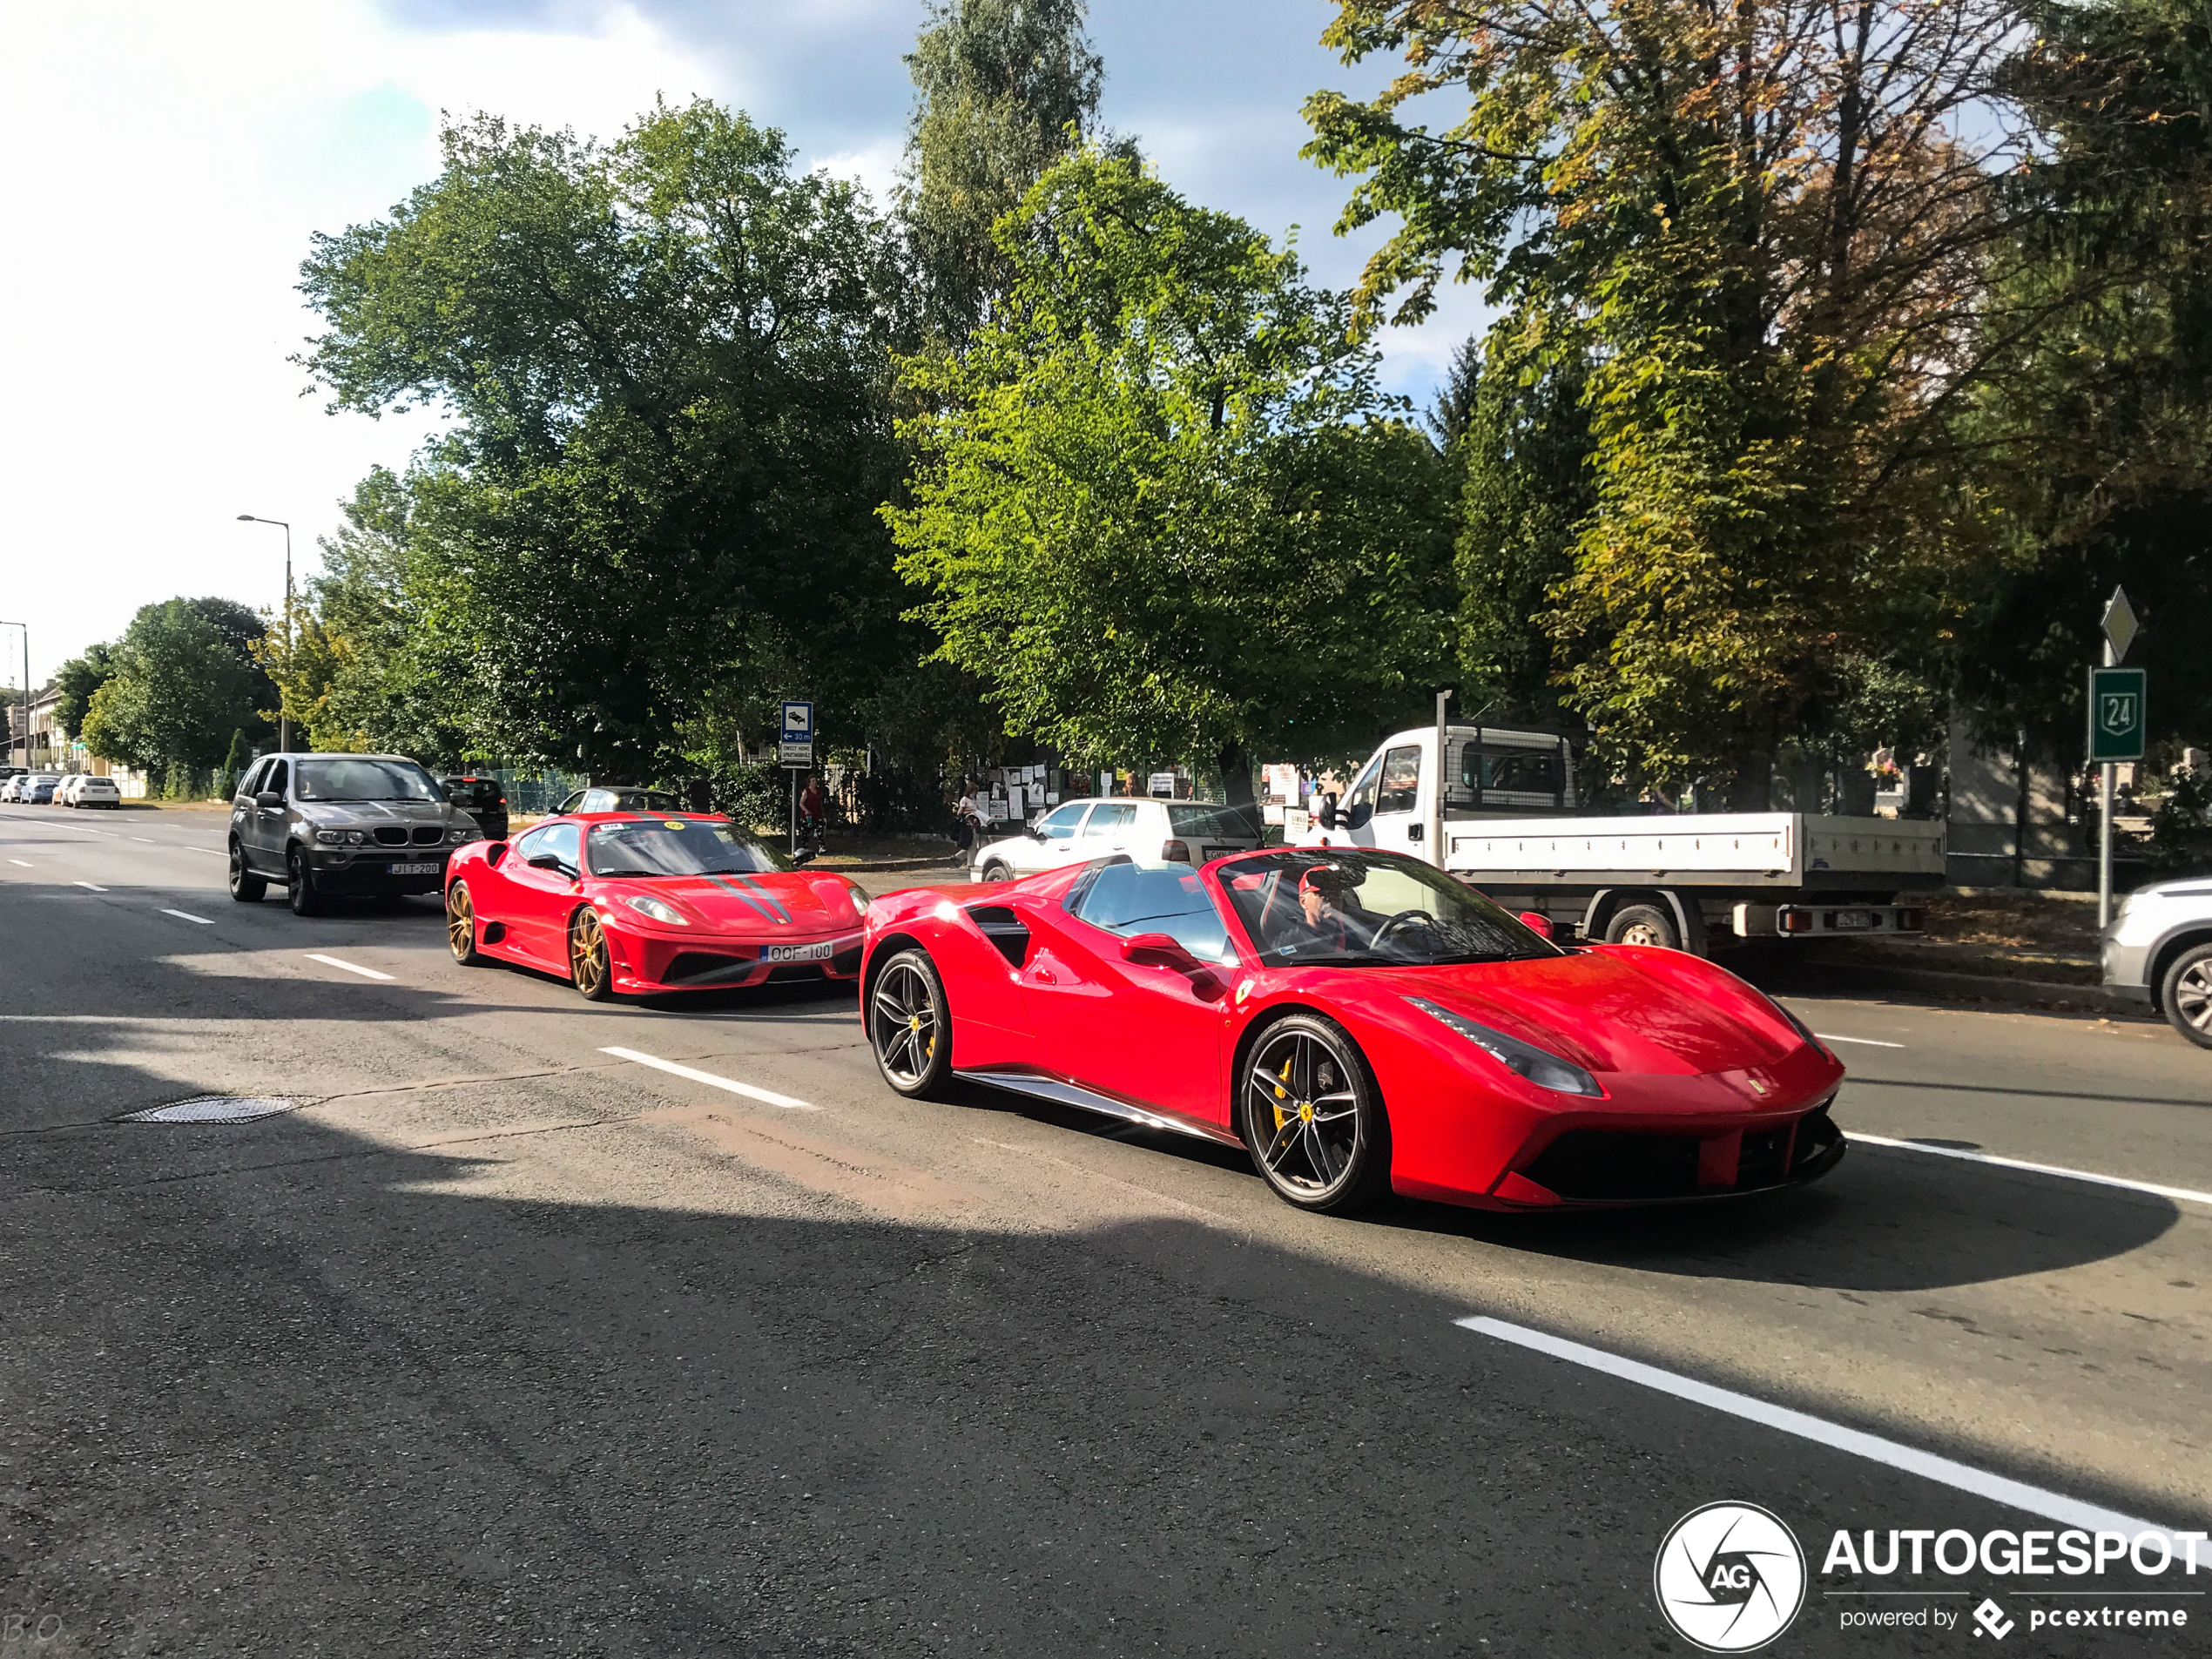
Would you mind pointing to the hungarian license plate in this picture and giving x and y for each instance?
(797, 953)
(414, 869)
(1850, 920)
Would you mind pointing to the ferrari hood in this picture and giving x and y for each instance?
(774, 904)
(1606, 1014)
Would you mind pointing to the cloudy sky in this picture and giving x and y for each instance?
(167, 163)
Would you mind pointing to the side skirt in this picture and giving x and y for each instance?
(1062, 1092)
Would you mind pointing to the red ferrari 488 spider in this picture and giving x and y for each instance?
(1362, 1024)
(635, 904)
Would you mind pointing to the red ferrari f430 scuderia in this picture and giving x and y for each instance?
(627, 904)
(1360, 1021)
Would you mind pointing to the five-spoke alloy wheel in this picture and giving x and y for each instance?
(1312, 1117)
(589, 963)
(909, 1026)
(245, 886)
(2185, 995)
(305, 902)
(460, 925)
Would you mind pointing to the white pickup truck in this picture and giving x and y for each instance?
(1507, 822)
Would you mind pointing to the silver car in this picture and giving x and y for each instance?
(329, 826)
(1151, 832)
(2159, 947)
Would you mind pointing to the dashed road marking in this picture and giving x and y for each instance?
(186, 915)
(24, 862)
(1871, 1042)
(748, 1090)
(2186, 1195)
(2053, 1506)
(92, 887)
(350, 967)
(148, 840)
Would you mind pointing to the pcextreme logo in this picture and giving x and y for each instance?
(1730, 1577)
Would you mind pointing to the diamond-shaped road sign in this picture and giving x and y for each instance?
(2120, 626)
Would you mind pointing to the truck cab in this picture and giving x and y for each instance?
(1489, 772)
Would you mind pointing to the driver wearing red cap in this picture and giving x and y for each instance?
(1328, 911)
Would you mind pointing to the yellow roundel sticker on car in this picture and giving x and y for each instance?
(672, 823)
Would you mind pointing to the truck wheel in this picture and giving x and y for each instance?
(2185, 995)
(1642, 924)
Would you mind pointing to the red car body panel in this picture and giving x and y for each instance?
(523, 914)
(1684, 1052)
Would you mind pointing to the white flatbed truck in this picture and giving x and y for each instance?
(1508, 821)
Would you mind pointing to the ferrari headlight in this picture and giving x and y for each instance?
(646, 905)
(1802, 1028)
(1545, 1070)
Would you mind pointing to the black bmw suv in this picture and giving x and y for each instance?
(329, 825)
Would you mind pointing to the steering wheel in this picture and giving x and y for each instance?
(1406, 919)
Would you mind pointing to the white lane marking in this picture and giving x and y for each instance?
(747, 1090)
(1871, 1042)
(217, 851)
(350, 967)
(2054, 1506)
(92, 887)
(148, 840)
(24, 862)
(2185, 1194)
(186, 915)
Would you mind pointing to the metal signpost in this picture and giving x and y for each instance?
(2117, 711)
(798, 751)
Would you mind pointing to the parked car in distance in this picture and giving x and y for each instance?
(484, 800)
(37, 790)
(89, 789)
(329, 825)
(618, 798)
(10, 784)
(2159, 947)
(1076, 831)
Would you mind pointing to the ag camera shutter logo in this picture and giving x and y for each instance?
(1730, 1577)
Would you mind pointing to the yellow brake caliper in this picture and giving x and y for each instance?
(1281, 1092)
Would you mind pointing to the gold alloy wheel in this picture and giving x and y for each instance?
(588, 963)
(461, 924)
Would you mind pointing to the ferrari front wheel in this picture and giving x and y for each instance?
(461, 925)
(910, 1027)
(1313, 1118)
(589, 964)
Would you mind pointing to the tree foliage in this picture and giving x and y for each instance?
(75, 681)
(1766, 231)
(180, 684)
(1002, 89)
(664, 359)
(1162, 510)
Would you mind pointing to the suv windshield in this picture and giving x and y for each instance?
(1382, 908)
(356, 779)
(677, 846)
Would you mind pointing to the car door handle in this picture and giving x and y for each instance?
(1042, 976)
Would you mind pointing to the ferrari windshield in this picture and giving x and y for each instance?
(356, 779)
(654, 846)
(1346, 906)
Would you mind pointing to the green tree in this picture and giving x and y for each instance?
(76, 680)
(1765, 232)
(1162, 510)
(179, 687)
(664, 359)
(1002, 89)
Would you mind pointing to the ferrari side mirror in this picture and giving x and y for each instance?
(1536, 922)
(1159, 950)
(546, 861)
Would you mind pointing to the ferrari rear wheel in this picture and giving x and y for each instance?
(910, 1028)
(1313, 1118)
(460, 925)
(589, 963)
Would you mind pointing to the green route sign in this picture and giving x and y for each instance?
(2116, 714)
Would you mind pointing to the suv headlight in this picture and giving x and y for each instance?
(645, 905)
(460, 835)
(1545, 1070)
(340, 837)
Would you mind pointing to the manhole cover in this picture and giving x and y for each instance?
(215, 1108)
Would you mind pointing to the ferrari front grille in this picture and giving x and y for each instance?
(706, 967)
(1596, 1165)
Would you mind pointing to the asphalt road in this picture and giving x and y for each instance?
(504, 1344)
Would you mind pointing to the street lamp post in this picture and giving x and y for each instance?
(284, 726)
(26, 690)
